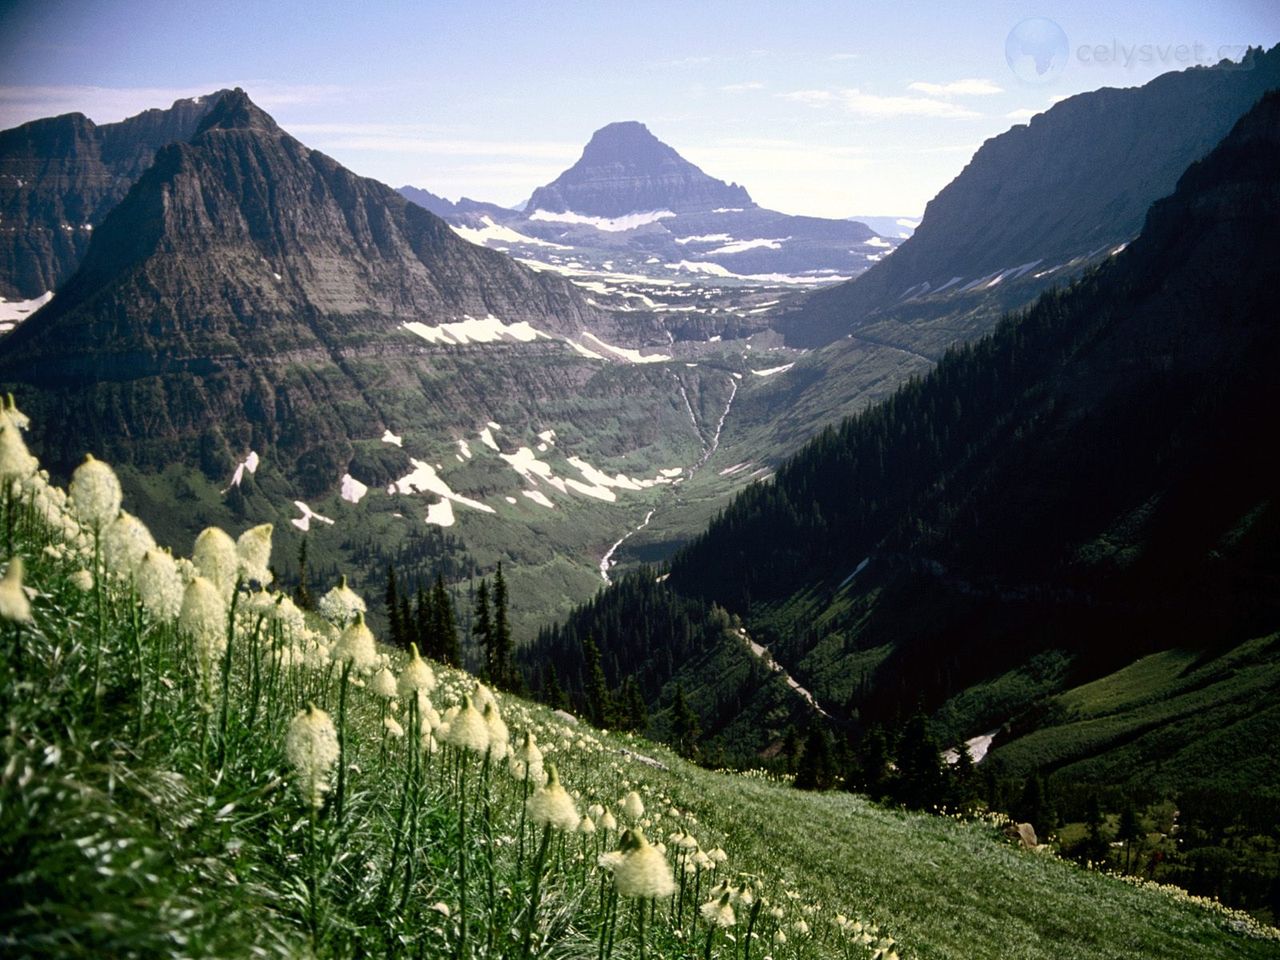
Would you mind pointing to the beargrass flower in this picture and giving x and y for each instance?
(499, 735)
(95, 493)
(312, 748)
(82, 580)
(393, 727)
(204, 618)
(719, 912)
(14, 605)
(633, 806)
(341, 604)
(16, 462)
(468, 731)
(254, 550)
(551, 805)
(159, 585)
(383, 684)
(357, 647)
(125, 541)
(643, 870)
(215, 559)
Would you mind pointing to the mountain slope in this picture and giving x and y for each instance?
(1090, 480)
(60, 176)
(1039, 202)
(626, 169)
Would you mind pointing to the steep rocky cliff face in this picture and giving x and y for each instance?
(625, 169)
(249, 289)
(1038, 203)
(60, 176)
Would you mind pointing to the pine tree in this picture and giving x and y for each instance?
(816, 770)
(394, 626)
(1096, 849)
(873, 761)
(428, 644)
(635, 715)
(599, 702)
(920, 780)
(482, 630)
(1129, 831)
(408, 626)
(501, 632)
(445, 624)
(302, 595)
(553, 694)
(685, 729)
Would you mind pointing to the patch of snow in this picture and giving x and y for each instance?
(510, 500)
(303, 522)
(526, 463)
(608, 224)
(862, 565)
(499, 233)
(441, 514)
(538, 497)
(249, 463)
(728, 210)
(548, 437)
(978, 747)
(877, 242)
(904, 222)
(464, 450)
(729, 471)
(486, 437)
(424, 479)
(635, 356)
(472, 330)
(772, 370)
(15, 311)
(352, 489)
(705, 238)
(589, 354)
(672, 471)
(389, 437)
(740, 246)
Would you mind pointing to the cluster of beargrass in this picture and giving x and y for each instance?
(195, 766)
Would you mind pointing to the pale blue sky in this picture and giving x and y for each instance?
(826, 108)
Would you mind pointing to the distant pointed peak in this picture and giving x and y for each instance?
(235, 111)
(627, 140)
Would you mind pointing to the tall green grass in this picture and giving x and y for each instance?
(281, 788)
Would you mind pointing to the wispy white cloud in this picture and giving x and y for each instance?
(1022, 114)
(742, 87)
(879, 107)
(972, 87)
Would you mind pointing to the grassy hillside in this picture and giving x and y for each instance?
(161, 796)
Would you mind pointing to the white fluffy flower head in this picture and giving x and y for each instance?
(125, 541)
(95, 493)
(14, 605)
(551, 805)
(215, 559)
(357, 647)
(417, 675)
(312, 748)
(254, 550)
(643, 871)
(340, 605)
(468, 731)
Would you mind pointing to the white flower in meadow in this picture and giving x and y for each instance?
(95, 493)
(595, 811)
(608, 821)
(82, 580)
(9, 411)
(254, 550)
(292, 621)
(800, 927)
(551, 805)
(717, 856)
(204, 618)
(16, 462)
(633, 806)
(482, 696)
(159, 585)
(417, 675)
(499, 736)
(14, 605)
(586, 825)
(215, 559)
(719, 913)
(357, 647)
(468, 731)
(341, 604)
(644, 871)
(393, 727)
(125, 541)
(384, 684)
(779, 938)
(312, 748)
(610, 861)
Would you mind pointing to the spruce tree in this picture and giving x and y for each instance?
(553, 694)
(445, 624)
(425, 625)
(599, 702)
(685, 729)
(635, 715)
(816, 770)
(502, 645)
(302, 595)
(920, 781)
(482, 630)
(394, 627)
